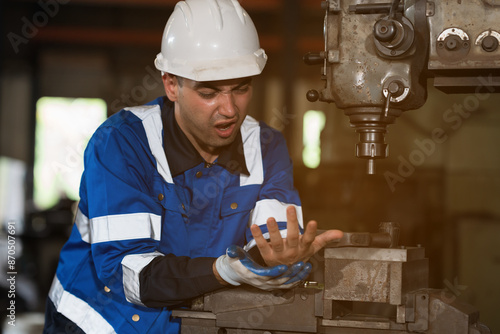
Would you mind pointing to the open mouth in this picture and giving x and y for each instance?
(224, 127)
(225, 130)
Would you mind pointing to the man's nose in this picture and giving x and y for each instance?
(227, 105)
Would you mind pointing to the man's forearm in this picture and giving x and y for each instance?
(172, 280)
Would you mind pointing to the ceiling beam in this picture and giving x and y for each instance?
(98, 36)
(256, 5)
(149, 38)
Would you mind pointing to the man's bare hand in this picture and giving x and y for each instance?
(295, 247)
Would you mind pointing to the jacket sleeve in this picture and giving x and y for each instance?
(171, 280)
(125, 222)
(277, 191)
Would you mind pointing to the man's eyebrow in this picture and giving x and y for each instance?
(209, 85)
(200, 85)
(247, 81)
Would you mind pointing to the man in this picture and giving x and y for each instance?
(178, 193)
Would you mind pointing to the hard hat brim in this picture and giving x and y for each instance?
(216, 69)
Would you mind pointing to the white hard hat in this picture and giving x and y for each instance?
(206, 40)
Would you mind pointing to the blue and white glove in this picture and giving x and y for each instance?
(237, 267)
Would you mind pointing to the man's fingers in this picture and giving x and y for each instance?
(274, 235)
(309, 233)
(260, 241)
(321, 240)
(292, 226)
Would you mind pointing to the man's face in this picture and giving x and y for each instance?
(210, 113)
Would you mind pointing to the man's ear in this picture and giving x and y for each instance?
(171, 86)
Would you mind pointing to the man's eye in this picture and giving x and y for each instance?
(242, 90)
(207, 95)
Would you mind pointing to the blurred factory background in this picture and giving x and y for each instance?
(65, 65)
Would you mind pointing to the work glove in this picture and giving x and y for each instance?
(237, 267)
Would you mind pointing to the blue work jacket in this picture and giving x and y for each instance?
(134, 212)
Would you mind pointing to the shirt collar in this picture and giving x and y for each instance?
(181, 154)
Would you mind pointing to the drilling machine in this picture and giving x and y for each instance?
(378, 57)
(375, 64)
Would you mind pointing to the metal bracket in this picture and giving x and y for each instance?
(430, 8)
(331, 5)
(421, 312)
(333, 56)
